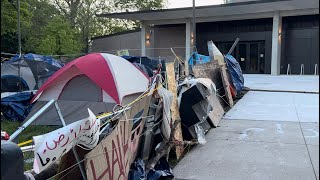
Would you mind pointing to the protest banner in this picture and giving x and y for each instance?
(51, 146)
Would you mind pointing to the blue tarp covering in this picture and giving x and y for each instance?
(196, 58)
(150, 63)
(162, 170)
(235, 72)
(16, 107)
(37, 57)
(12, 83)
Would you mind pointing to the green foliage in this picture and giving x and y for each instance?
(59, 38)
(43, 13)
(129, 5)
(9, 13)
(64, 26)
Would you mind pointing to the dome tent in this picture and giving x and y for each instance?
(33, 69)
(97, 81)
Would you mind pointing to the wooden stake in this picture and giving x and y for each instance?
(172, 87)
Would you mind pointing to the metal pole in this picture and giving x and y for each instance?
(288, 69)
(19, 31)
(302, 69)
(19, 45)
(233, 46)
(194, 25)
(17, 132)
(73, 149)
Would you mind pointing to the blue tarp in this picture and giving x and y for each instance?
(16, 107)
(162, 170)
(12, 83)
(196, 58)
(37, 57)
(150, 63)
(235, 72)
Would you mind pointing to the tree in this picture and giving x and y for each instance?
(82, 14)
(43, 13)
(59, 38)
(9, 24)
(9, 19)
(64, 26)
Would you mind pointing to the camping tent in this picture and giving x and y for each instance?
(97, 81)
(27, 73)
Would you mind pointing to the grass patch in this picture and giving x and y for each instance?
(33, 130)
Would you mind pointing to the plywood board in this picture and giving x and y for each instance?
(226, 85)
(212, 70)
(112, 157)
(216, 55)
(217, 112)
(172, 87)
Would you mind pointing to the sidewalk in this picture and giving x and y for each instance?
(266, 135)
(290, 83)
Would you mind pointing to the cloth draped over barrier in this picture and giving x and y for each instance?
(51, 146)
(167, 99)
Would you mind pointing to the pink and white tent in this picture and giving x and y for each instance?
(97, 81)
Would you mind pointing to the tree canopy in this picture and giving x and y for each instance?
(64, 26)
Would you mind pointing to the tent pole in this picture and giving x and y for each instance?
(73, 148)
(35, 116)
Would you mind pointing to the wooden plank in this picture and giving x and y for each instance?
(216, 55)
(172, 87)
(112, 157)
(226, 84)
(217, 112)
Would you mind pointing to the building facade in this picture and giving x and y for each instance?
(274, 34)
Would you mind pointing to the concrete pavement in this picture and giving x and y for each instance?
(290, 83)
(266, 135)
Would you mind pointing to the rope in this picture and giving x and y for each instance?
(108, 113)
(147, 131)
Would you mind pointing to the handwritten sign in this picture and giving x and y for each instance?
(123, 52)
(51, 146)
(118, 150)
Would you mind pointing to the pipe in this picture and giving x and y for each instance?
(35, 116)
(288, 69)
(73, 148)
(194, 23)
(233, 46)
(302, 69)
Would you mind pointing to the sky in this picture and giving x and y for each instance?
(188, 3)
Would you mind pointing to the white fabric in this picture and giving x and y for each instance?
(188, 83)
(167, 98)
(51, 146)
(128, 78)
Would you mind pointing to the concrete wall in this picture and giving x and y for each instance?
(166, 37)
(110, 44)
(299, 44)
